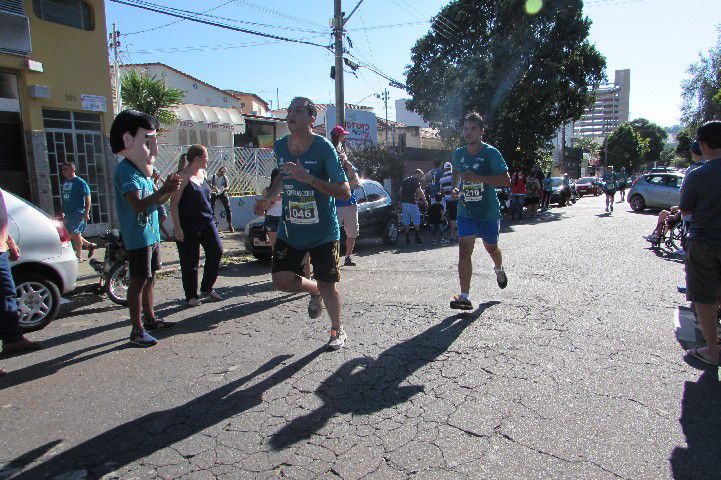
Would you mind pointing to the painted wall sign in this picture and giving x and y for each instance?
(94, 103)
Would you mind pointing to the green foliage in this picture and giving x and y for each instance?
(588, 144)
(626, 148)
(702, 90)
(671, 159)
(378, 162)
(683, 149)
(655, 135)
(526, 74)
(149, 95)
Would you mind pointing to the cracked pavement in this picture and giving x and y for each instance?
(572, 372)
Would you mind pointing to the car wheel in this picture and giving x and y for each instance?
(390, 233)
(38, 300)
(117, 285)
(637, 203)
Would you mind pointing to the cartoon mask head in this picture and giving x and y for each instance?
(133, 136)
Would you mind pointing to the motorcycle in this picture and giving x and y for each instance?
(113, 269)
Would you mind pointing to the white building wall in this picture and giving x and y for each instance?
(407, 117)
(195, 92)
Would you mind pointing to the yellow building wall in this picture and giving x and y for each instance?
(74, 62)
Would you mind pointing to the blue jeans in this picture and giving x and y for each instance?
(517, 201)
(9, 317)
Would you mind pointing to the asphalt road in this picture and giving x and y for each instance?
(572, 372)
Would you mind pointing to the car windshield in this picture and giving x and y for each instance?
(586, 180)
(556, 181)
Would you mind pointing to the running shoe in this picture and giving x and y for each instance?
(349, 262)
(337, 338)
(651, 238)
(141, 338)
(315, 306)
(213, 295)
(501, 277)
(459, 302)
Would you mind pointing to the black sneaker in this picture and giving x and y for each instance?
(501, 277)
(141, 338)
(156, 324)
(460, 303)
(349, 262)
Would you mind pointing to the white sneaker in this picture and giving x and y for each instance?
(315, 306)
(337, 338)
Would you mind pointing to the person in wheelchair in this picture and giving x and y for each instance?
(666, 220)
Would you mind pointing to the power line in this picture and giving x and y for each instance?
(178, 21)
(168, 11)
(392, 25)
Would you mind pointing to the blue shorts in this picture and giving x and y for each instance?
(75, 222)
(488, 230)
(410, 213)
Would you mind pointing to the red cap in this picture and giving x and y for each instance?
(338, 130)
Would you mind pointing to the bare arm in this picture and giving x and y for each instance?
(350, 172)
(264, 202)
(174, 212)
(159, 196)
(87, 206)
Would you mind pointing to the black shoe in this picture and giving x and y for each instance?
(349, 262)
(460, 303)
(156, 324)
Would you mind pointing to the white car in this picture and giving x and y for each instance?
(47, 266)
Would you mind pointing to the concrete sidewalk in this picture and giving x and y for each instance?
(232, 246)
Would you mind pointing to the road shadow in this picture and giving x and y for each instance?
(701, 424)
(666, 254)
(52, 366)
(86, 302)
(155, 431)
(17, 464)
(363, 386)
(604, 215)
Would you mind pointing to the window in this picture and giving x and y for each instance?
(655, 179)
(672, 181)
(360, 196)
(374, 192)
(71, 13)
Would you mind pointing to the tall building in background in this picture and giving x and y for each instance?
(609, 110)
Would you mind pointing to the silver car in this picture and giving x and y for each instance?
(47, 266)
(655, 190)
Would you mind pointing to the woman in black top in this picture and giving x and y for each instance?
(194, 225)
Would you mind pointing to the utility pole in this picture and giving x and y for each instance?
(563, 148)
(338, 33)
(384, 97)
(277, 98)
(115, 43)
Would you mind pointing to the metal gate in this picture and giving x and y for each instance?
(77, 137)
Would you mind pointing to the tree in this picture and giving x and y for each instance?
(526, 74)
(702, 91)
(655, 135)
(588, 144)
(683, 148)
(626, 148)
(378, 162)
(149, 95)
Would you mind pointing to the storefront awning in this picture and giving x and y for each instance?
(189, 112)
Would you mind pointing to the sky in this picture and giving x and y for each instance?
(656, 39)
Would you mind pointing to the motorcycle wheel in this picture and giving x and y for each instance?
(117, 285)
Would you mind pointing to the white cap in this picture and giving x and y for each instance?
(447, 166)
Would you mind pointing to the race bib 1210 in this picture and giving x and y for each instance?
(472, 192)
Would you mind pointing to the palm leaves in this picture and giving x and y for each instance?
(147, 94)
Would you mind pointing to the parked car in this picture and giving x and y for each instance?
(376, 216)
(47, 266)
(588, 186)
(560, 193)
(655, 190)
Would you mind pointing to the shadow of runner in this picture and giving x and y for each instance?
(16, 464)
(143, 436)
(701, 423)
(377, 385)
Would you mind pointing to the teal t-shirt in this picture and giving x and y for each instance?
(611, 180)
(479, 201)
(622, 179)
(139, 229)
(75, 191)
(309, 217)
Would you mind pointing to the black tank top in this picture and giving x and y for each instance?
(194, 206)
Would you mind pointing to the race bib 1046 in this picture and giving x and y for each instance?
(472, 192)
(303, 213)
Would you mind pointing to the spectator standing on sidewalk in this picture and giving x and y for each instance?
(219, 191)
(518, 195)
(274, 213)
(450, 198)
(533, 193)
(701, 198)
(133, 137)
(410, 211)
(346, 210)
(76, 209)
(547, 191)
(435, 218)
(194, 225)
(10, 333)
